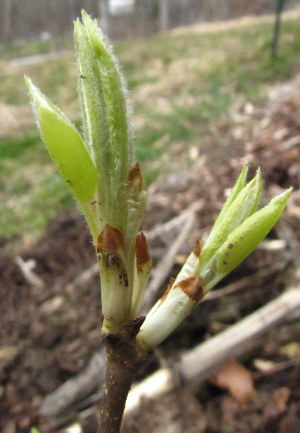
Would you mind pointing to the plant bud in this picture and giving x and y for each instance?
(236, 233)
(105, 119)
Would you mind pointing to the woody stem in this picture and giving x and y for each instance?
(124, 359)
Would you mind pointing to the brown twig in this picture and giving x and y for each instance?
(124, 360)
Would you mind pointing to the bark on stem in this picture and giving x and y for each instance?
(124, 359)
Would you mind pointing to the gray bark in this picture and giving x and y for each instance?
(7, 20)
(104, 16)
(164, 14)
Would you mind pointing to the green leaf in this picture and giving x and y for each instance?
(239, 185)
(105, 117)
(243, 240)
(65, 146)
(243, 204)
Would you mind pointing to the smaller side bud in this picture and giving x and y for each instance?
(235, 236)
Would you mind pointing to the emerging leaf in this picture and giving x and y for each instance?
(239, 185)
(65, 146)
(244, 239)
(242, 203)
(105, 118)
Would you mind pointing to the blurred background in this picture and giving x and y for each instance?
(213, 83)
(188, 64)
(121, 18)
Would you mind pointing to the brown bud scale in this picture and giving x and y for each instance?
(198, 248)
(171, 282)
(192, 287)
(110, 240)
(135, 178)
(142, 252)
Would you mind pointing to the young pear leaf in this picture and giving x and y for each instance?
(64, 145)
(244, 204)
(244, 239)
(239, 185)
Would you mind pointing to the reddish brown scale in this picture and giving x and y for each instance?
(171, 282)
(110, 240)
(135, 178)
(110, 250)
(141, 251)
(135, 172)
(192, 287)
(198, 248)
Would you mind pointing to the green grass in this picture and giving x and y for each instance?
(32, 47)
(181, 84)
(31, 191)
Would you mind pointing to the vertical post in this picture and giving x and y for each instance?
(276, 28)
(164, 15)
(104, 16)
(142, 17)
(185, 4)
(7, 20)
(71, 10)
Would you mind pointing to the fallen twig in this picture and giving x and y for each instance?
(199, 363)
(231, 342)
(162, 270)
(163, 230)
(75, 390)
(26, 268)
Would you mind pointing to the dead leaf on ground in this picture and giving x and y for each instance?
(277, 404)
(236, 379)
